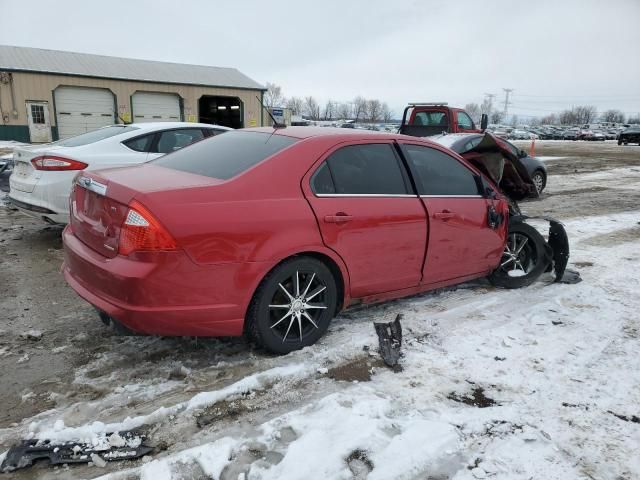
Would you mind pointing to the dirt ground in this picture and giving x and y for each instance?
(51, 340)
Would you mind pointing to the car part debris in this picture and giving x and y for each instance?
(116, 446)
(390, 340)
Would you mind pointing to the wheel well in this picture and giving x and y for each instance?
(335, 271)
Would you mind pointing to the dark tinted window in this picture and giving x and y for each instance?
(95, 136)
(439, 173)
(225, 156)
(140, 144)
(366, 169)
(321, 182)
(172, 140)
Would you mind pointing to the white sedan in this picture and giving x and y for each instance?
(42, 174)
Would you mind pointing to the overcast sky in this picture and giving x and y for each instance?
(552, 53)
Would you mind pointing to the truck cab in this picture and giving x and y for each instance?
(435, 118)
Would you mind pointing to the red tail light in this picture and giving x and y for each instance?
(52, 162)
(141, 231)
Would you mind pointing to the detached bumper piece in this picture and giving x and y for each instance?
(390, 341)
(128, 446)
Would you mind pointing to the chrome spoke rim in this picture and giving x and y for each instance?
(512, 257)
(299, 290)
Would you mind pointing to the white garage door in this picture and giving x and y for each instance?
(80, 110)
(155, 107)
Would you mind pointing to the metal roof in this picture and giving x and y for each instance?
(87, 65)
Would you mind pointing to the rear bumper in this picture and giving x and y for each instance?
(49, 199)
(163, 294)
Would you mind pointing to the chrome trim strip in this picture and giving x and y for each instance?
(451, 196)
(91, 184)
(377, 195)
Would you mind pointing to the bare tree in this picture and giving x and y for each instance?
(273, 96)
(329, 110)
(550, 119)
(345, 111)
(514, 120)
(373, 109)
(578, 115)
(311, 108)
(387, 115)
(295, 104)
(634, 120)
(496, 117)
(474, 111)
(615, 116)
(359, 107)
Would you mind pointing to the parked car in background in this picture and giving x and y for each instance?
(273, 231)
(629, 135)
(521, 135)
(571, 134)
(42, 174)
(462, 143)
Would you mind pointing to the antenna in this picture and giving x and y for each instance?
(275, 122)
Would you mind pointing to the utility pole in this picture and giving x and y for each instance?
(490, 96)
(507, 92)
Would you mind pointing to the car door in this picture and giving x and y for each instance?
(369, 215)
(464, 123)
(461, 243)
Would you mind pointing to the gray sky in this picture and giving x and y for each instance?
(552, 53)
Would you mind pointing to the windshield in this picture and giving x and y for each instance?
(94, 136)
(225, 156)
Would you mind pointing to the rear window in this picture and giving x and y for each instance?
(225, 156)
(95, 136)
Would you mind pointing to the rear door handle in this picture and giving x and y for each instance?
(338, 218)
(444, 215)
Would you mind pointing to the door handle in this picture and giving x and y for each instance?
(444, 215)
(339, 217)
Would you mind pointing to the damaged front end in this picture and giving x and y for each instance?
(527, 253)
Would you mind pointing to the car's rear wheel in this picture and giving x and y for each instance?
(293, 305)
(523, 259)
(539, 179)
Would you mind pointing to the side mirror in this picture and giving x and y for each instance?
(484, 121)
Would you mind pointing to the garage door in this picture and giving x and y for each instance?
(80, 110)
(155, 107)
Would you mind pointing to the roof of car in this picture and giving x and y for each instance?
(450, 139)
(156, 125)
(346, 133)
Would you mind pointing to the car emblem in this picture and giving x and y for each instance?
(91, 184)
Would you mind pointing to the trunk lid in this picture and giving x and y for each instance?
(100, 199)
(24, 176)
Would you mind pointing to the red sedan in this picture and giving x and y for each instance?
(273, 232)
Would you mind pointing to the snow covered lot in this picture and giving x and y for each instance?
(537, 383)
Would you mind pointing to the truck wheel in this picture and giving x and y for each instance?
(293, 305)
(523, 260)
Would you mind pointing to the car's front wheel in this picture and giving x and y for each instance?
(293, 305)
(539, 179)
(523, 259)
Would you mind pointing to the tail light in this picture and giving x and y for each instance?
(141, 231)
(54, 163)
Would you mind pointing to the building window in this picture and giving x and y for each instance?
(37, 114)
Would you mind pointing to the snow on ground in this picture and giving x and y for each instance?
(537, 383)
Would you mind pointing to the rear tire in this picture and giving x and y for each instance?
(523, 260)
(293, 306)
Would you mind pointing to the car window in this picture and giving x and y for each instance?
(210, 132)
(370, 169)
(140, 144)
(95, 136)
(432, 119)
(464, 121)
(172, 140)
(515, 150)
(440, 174)
(322, 182)
(225, 156)
(470, 145)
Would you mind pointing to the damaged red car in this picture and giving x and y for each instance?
(272, 232)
